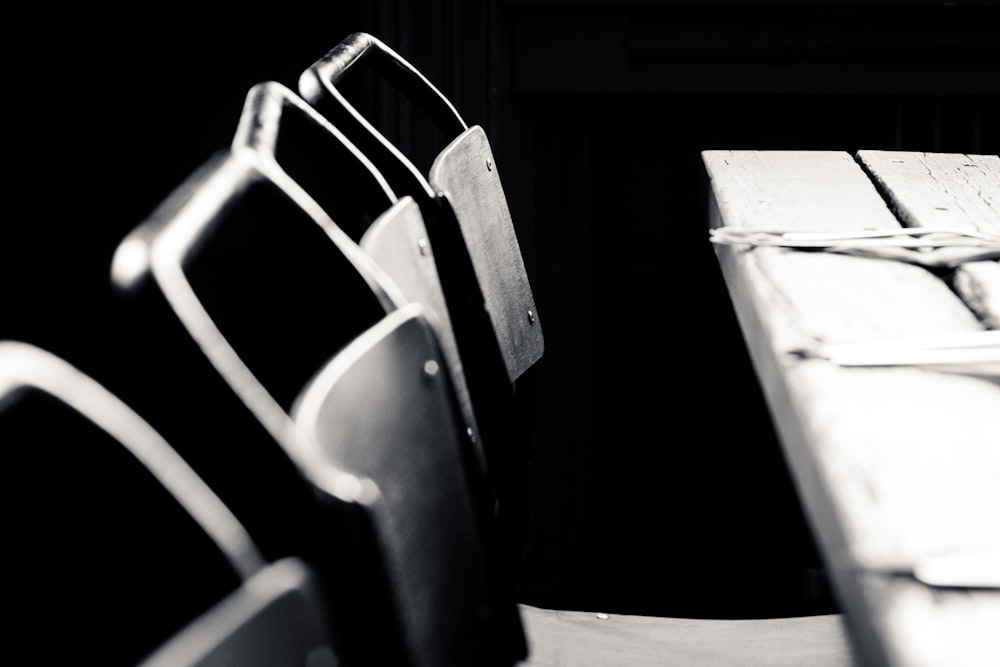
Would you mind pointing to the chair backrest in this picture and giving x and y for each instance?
(384, 408)
(303, 144)
(321, 159)
(230, 241)
(273, 291)
(475, 249)
(461, 196)
(131, 556)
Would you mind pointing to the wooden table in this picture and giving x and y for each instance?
(894, 464)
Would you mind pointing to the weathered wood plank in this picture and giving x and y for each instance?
(951, 191)
(467, 173)
(979, 285)
(893, 464)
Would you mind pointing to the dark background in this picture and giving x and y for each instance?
(659, 485)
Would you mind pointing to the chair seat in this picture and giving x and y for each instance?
(581, 638)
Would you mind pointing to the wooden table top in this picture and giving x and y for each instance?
(896, 464)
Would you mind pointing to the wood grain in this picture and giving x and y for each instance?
(467, 173)
(952, 191)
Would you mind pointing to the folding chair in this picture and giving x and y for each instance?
(314, 154)
(278, 124)
(362, 404)
(384, 405)
(461, 195)
(475, 248)
(174, 579)
(345, 374)
(380, 406)
(273, 293)
(465, 209)
(304, 146)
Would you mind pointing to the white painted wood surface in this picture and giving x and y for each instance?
(952, 191)
(893, 464)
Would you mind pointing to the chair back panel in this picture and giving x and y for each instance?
(399, 244)
(384, 409)
(497, 331)
(467, 174)
(465, 276)
(317, 156)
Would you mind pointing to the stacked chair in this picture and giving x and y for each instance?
(273, 292)
(488, 297)
(336, 345)
(148, 565)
